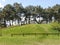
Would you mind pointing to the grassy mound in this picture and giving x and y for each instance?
(6, 38)
(31, 28)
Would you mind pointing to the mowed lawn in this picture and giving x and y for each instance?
(7, 39)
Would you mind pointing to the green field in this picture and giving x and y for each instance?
(7, 39)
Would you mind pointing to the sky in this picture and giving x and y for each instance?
(42, 3)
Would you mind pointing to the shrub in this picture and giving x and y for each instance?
(56, 26)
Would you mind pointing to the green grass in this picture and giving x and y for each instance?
(6, 38)
(32, 28)
(30, 40)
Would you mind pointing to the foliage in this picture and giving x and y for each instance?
(9, 12)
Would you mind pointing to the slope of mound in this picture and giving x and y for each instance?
(31, 28)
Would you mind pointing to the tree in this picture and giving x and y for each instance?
(8, 11)
(56, 9)
(33, 10)
(29, 11)
(0, 17)
(18, 7)
(38, 9)
(0, 13)
(18, 10)
(59, 15)
(59, 10)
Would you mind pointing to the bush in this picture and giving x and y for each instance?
(56, 26)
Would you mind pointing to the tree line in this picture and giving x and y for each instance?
(10, 11)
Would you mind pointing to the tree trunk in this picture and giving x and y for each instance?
(4, 23)
(29, 20)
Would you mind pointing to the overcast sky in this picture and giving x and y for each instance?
(42, 3)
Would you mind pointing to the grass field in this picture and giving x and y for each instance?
(6, 38)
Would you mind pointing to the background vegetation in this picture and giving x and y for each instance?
(10, 11)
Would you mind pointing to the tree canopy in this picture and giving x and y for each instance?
(11, 11)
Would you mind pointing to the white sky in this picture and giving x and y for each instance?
(1, 5)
